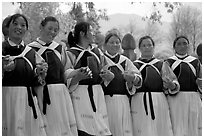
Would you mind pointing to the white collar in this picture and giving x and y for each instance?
(146, 58)
(42, 42)
(88, 48)
(111, 56)
(181, 56)
(14, 44)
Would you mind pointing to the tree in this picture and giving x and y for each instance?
(151, 29)
(90, 14)
(131, 27)
(36, 11)
(187, 21)
(115, 31)
(77, 11)
(156, 15)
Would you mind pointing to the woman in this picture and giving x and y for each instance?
(57, 104)
(117, 92)
(199, 52)
(4, 28)
(86, 91)
(186, 106)
(150, 110)
(22, 70)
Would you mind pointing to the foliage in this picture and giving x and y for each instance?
(36, 11)
(90, 14)
(116, 31)
(156, 15)
(187, 21)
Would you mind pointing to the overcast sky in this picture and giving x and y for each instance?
(142, 9)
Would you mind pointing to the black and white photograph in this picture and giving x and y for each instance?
(101, 68)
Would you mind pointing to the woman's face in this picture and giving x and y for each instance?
(146, 48)
(49, 31)
(181, 46)
(113, 45)
(17, 28)
(90, 35)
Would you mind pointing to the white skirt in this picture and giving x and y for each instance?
(60, 117)
(144, 125)
(93, 123)
(186, 113)
(17, 115)
(120, 121)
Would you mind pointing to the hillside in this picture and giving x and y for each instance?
(162, 50)
(122, 20)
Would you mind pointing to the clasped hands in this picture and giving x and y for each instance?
(106, 75)
(168, 83)
(41, 68)
(41, 71)
(82, 73)
(131, 78)
(8, 63)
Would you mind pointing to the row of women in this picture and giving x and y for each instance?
(50, 90)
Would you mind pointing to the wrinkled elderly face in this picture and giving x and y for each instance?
(181, 46)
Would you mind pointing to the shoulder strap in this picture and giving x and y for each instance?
(42, 48)
(186, 60)
(111, 63)
(22, 55)
(82, 52)
(150, 63)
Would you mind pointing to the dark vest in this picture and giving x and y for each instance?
(117, 85)
(152, 81)
(186, 78)
(55, 72)
(89, 60)
(22, 75)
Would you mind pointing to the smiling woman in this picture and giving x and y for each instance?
(20, 111)
(57, 104)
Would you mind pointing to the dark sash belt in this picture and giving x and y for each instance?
(31, 102)
(150, 104)
(90, 91)
(46, 99)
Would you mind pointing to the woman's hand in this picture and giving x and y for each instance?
(41, 69)
(80, 74)
(168, 83)
(83, 73)
(107, 75)
(7, 63)
(129, 76)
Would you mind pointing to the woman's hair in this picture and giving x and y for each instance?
(199, 50)
(4, 27)
(177, 38)
(74, 37)
(14, 17)
(48, 19)
(108, 36)
(145, 37)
